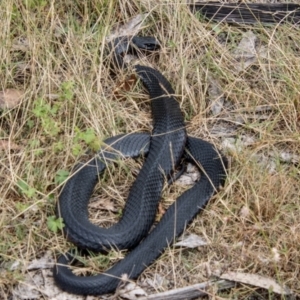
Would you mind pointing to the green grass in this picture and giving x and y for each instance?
(55, 52)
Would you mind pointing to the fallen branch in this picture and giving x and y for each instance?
(191, 292)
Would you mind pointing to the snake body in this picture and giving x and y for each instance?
(163, 149)
(172, 224)
(166, 148)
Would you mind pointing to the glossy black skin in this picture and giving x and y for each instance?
(131, 45)
(164, 149)
(212, 166)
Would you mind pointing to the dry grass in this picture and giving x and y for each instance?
(56, 54)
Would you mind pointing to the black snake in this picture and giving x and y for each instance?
(163, 149)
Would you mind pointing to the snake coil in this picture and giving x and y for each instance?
(163, 149)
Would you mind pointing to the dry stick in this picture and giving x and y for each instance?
(191, 291)
(248, 13)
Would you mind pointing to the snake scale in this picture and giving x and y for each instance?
(163, 149)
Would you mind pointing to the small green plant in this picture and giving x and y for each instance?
(20, 231)
(46, 113)
(35, 145)
(58, 146)
(67, 90)
(88, 137)
(36, 3)
(77, 149)
(25, 189)
(21, 206)
(61, 176)
(54, 224)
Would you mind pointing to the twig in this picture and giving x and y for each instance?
(191, 292)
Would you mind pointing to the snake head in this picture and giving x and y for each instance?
(125, 45)
(148, 43)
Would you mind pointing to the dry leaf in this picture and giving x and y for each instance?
(276, 255)
(45, 262)
(190, 176)
(130, 28)
(124, 86)
(132, 291)
(244, 212)
(157, 282)
(246, 52)
(216, 95)
(105, 204)
(231, 145)
(40, 285)
(26, 291)
(29, 287)
(191, 241)
(8, 145)
(288, 157)
(256, 280)
(10, 98)
(21, 44)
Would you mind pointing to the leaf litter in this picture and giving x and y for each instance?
(191, 241)
(257, 281)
